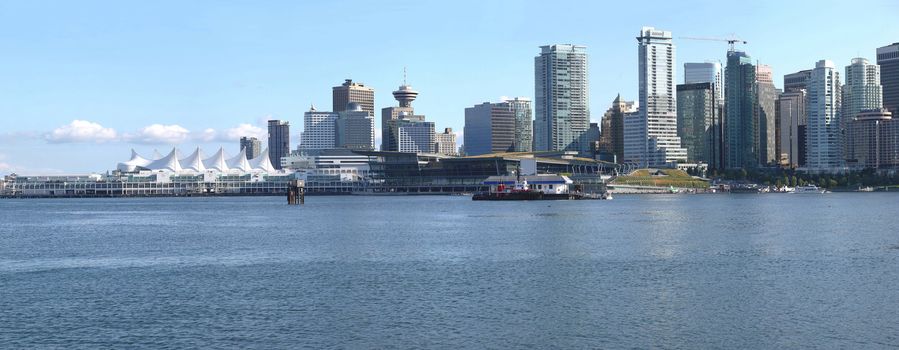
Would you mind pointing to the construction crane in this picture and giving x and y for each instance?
(731, 41)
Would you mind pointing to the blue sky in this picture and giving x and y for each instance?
(82, 82)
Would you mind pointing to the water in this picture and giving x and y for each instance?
(668, 271)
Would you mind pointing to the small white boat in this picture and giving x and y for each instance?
(808, 189)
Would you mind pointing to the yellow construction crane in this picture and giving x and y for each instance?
(731, 41)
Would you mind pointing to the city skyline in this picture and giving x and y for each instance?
(203, 75)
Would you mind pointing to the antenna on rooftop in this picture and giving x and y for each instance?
(404, 75)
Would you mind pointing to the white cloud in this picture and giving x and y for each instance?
(207, 135)
(230, 134)
(81, 131)
(160, 134)
(241, 130)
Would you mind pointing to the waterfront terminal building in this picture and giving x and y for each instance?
(332, 171)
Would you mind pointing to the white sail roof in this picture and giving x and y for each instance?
(134, 163)
(217, 161)
(194, 161)
(169, 162)
(239, 162)
(262, 162)
(156, 154)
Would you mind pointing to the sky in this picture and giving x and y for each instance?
(84, 82)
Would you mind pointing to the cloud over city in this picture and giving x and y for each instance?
(81, 131)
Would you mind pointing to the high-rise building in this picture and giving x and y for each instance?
(862, 90)
(698, 123)
(765, 114)
(706, 72)
(791, 115)
(611, 139)
(445, 143)
(592, 137)
(278, 141)
(351, 91)
(873, 137)
(252, 146)
(888, 60)
(658, 102)
(741, 129)
(318, 131)
(563, 113)
(489, 128)
(390, 125)
(824, 140)
(355, 128)
(413, 134)
(797, 81)
(523, 140)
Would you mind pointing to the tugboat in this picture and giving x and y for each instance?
(533, 187)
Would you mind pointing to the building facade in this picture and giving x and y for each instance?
(706, 72)
(252, 146)
(278, 141)
(741, 129)
(355, 129)
(765, 114)
(524, 121)
(797, 81)
(611, 140)
(698, 123)
(791, 115)
(350, 91)
(658, 101)
(862, 90)
(414, 135)
(561, 91)
(445, 143)
(489, 128)
(824, 139)
(318, 131)
(873, 140)
(888, 60)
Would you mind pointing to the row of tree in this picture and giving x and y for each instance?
(791, 177)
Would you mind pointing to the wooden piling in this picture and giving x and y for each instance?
(296, 192)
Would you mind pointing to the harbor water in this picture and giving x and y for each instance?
(653, 271)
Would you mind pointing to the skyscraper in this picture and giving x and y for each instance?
(252, 146)
(524, 120)
(351, 91)
(611, 137)
(404, 95)
(489, 128)
(791, 114)
(658, 102)
(873, 140)
(706, 72)
(278, 141)
(824, 134)
(318, 131)
(888, 59)
(355, 128)
(862, 90)
(741, 129)
(765, 114)
(698, 123)
(563, 113)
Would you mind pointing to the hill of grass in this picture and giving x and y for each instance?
(671, 177)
